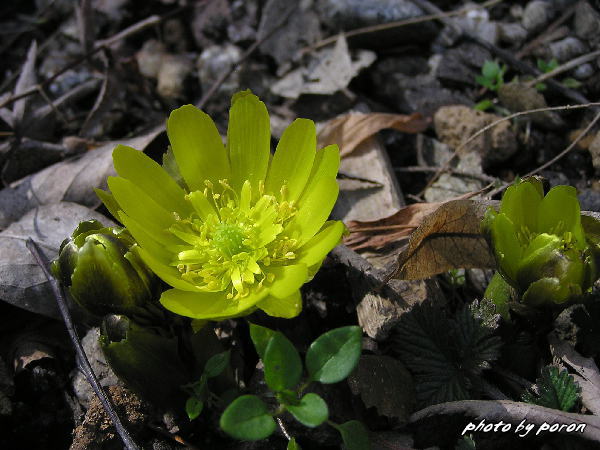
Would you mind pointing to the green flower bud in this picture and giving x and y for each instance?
(539, 244)
(102, 272)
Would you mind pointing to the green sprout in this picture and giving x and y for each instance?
(329, 359)
(539, 243)
(103, 272)
(242, 230)
(492, 78)
(546, 67)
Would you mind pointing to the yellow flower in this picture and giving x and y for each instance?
(244, 229)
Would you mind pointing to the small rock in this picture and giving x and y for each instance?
(462, 64)
(149, 58)
(477, 22)
(455, 124)
(81, 387)
(567, 49)
(594, 149)
(213, 62)
(536, 14)
(172, 75)
(301, 29)
(342, 15)
(175, 35)
(589, 200)
(583, 72)
(520, 97)
(512, 33)
(587, 21)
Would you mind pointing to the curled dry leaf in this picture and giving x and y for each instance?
(448, 238)
(377, 234)
(349, 130)
(71, 180)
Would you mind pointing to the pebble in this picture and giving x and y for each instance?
(583, 71)
(512, 33)
(215, 60)
(149, 58)
(172, 76)
(536, 14)
(567, 49)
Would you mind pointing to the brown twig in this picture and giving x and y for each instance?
(564, 67)
(82, 361)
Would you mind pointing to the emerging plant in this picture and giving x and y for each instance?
(241, 230)
(103, 272)
(199, 391)
(330, 359)
(492, 77)
(549, 66)
(556, 389)
(539, 243)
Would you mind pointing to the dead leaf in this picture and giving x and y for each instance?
(349, 130)
(27, 79)
(22, 282)
(588, 376)
(376, 234)
(71, 180)
(384, 382)
(329, 71)
(448, 238)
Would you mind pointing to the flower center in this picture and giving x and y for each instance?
(230, 239)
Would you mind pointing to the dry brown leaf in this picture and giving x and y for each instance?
(349, 130)
(448, 238)
(377, 234)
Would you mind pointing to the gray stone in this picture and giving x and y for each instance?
(589, 200)
(462, 64)
(537, 14)
(512, 33)
(82, 389)
(583, 72)
(213, 62)
(476, 22)
(343, 15)
(587, 21)
(567, 48)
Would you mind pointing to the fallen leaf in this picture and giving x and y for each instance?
(448, 238)
(329, 71)
(71, 180)
(377, 234)
(349, 130)
(22, 282)
(27, 79)
(384, 382)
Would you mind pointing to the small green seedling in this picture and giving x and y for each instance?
(492, 75)
(546, 67)
(329, 359)
(199, 392)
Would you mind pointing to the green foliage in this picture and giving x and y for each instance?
(492, 75)
(330, 358)
(199, 390)
(466, 443)
(557, 390)
(293, 445)
(446, 354)
(334, 354)
(248, 418)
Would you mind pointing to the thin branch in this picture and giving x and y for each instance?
(82, 361)
(477, 176)
(564, 67)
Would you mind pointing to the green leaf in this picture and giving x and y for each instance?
(500, 293)
(484, 105)
(216, 364)
(541, 86)
(484, 82)
(247, 418)
(490, 70)
(312, 410)
(260, 338)
(333, 355)
(355, 435)
(466, 443)
(445, 354)
(571, 83)
(557, 390)
(283, 366)
(293, 445)
(193, 407)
